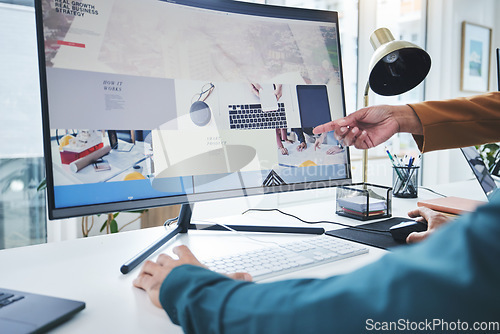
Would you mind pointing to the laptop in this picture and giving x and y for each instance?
(480, 170)
(23, 312)
(496, 169)
(252, 116)
(498, 68)
(457, 205)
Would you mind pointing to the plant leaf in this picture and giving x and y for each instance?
(42, 185)
(113, 227)
(491, 146)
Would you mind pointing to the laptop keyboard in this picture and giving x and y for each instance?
(251, 116)
(287, 257)
(8, 298)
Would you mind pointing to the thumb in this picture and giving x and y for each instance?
(417, 237)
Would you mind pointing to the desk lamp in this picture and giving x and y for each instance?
(395, 68)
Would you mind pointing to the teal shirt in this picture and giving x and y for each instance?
(451, 279)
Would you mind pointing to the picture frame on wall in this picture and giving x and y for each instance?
(476, 57)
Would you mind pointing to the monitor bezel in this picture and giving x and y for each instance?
(226, 5)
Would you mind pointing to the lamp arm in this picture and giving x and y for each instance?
(365, 152)
(365, 96)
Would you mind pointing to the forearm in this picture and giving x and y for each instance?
(414, 283)
(407, 119)
(459, 122)
(300, 135)
(194, 298)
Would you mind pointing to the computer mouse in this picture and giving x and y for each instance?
(401, 231)
(200, 113)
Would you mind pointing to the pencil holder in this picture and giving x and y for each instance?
(404, 182)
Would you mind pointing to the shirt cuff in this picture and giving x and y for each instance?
(188, 287)
(171, 290)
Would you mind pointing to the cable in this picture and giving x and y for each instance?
(169, 222)
(432, 191)
(237, 232)
(172, 220)
(322, 221)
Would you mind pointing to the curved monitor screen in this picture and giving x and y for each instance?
(148, 103)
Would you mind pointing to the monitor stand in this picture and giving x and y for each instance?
(184, 224)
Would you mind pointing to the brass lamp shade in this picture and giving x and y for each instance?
(396, 66)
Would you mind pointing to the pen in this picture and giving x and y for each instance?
(410, 174)
(410, 163)
(390, 156)
(394, 165)
(396, 160)
(417, 163)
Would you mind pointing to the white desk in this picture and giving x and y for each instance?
(88, 269)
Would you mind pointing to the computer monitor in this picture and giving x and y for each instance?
(150, 103)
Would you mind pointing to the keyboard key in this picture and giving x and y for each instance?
(288, 257)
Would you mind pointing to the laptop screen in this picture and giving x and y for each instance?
(480, 170)
(498, 68)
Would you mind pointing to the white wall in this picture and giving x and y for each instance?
(444, 35)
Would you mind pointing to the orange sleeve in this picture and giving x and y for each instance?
(458, 122)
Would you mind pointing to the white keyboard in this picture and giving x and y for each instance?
(286, 257)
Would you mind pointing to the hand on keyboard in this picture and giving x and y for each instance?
(153, 273)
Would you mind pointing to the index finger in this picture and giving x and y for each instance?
(335, 125)
(421, 212)
(183, 252)
(325, 127)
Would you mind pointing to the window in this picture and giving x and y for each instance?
(407, 20)
(22, 207)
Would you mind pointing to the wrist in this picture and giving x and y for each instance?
(407, 119)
